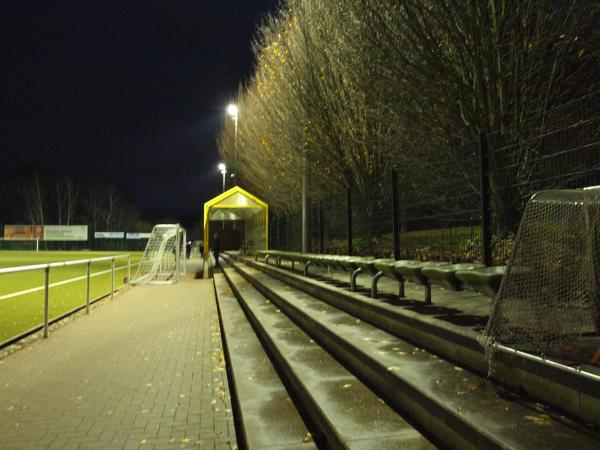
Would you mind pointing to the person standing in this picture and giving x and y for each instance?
(216, 248)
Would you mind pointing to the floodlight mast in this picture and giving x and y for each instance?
(233, 112)
(223, 169)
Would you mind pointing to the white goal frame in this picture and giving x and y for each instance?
(164, 258)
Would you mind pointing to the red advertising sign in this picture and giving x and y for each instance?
(16, 232)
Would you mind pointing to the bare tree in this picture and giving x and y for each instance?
(34, 194)
(66, 190)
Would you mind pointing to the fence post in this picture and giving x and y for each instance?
(184, 248)
(395, 219)
(46, 299)
(486, 219)
(349, 220)
(306, 219)
(87, 294)
(129, 272)
(112, 279)
(178, 253)
(321, 235)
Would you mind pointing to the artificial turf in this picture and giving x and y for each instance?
(24, 312)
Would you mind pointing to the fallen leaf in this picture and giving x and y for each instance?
(478, 385)
(307, 438)
(540, 419)
(346, 386)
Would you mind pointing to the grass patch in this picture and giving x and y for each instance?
(21, 313)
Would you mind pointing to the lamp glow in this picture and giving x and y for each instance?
(232, 110)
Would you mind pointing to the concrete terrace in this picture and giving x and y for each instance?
(145, 371)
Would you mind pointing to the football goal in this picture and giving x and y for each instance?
(164, 257)
(550, 294)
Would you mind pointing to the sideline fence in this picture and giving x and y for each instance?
(463, 204)
(47, 285)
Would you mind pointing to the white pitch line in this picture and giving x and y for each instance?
(60, 283)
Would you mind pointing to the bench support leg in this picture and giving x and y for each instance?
(374, 282)
(266, 259)
(401, 288)
(293, 261)
(278, 262)
(306, 264)
(353, 278)
(428, 294)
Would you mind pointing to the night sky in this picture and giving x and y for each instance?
(129, 90)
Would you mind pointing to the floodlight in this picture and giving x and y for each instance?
(232, 110)
(222, 167)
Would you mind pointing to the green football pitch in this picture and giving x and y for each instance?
(22, 293)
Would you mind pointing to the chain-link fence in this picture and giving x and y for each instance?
(468, 202)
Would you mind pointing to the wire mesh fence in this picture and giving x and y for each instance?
(439, 215)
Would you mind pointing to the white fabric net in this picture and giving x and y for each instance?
(550, 293)
(163, 256)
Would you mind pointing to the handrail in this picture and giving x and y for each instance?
(60, 264)
(46, 287)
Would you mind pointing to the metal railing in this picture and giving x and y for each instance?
(47, 285)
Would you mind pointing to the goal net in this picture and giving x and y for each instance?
(164, 256)
(550, 292)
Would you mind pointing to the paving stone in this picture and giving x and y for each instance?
(145, 366)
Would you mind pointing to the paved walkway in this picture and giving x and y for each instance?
(144, 371)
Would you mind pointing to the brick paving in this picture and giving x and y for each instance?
(144, 371)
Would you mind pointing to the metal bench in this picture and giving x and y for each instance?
(445, 276)
(412, 271)
(486, 280)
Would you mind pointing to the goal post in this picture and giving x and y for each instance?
(550, 293)
(163, 261)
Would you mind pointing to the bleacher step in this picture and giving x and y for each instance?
(342, 411)
(575, 392)
(458, 407)
(266, 417)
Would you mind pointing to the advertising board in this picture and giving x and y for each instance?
(109, 234)
(16, 232)
(138, 235)
(65, 232)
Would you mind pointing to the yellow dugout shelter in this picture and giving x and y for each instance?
(237, 204)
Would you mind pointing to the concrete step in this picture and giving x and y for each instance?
(459, 408)
(265, 415)
(342, 412)
(575, 392)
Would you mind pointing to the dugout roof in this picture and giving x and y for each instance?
(234, 204)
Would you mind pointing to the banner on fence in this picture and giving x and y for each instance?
(65, 232)
(109, 234)
(138, 235)
(16, 232)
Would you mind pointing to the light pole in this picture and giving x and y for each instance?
(223, 169)
(233, 110)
